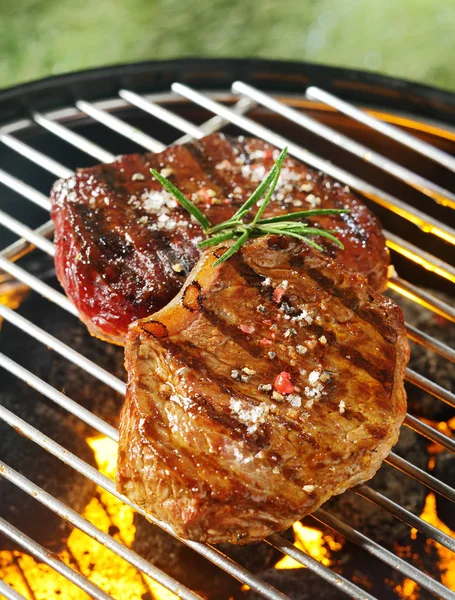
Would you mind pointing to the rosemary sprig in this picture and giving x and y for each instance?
(237, 229)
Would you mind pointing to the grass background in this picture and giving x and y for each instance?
(414, 39)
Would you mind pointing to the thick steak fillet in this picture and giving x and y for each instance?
(124, 248)
(211, 441)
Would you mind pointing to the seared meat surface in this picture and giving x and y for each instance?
(124, 247)
(270, 383)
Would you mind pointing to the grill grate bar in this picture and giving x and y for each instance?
(324, 572)
(23, 246)
(448, 161)
(9, 593)
(430, 433)
(72, 355)
(430, 386)
(412, 292)
(386, 556)
(25, 190)
(39, 286)
(35, 156)
(69, 515)
(61, 399)
(405, 515)
(25, 232)
(152, 108)
(421, 257)
(40, 553)
(408, 212)
(430, 189)
(429, 342)
(419, 475)
(141, 138)
(76, 140)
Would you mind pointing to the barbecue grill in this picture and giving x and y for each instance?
(389, 140)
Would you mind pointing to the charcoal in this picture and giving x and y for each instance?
(35, 463)
(189, 567)
(426, 362)
(373, 521)
(298, 584)
(445, 471)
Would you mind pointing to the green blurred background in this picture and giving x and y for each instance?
(414, 39)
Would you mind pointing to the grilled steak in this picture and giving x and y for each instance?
(124, 247)
(269, 384)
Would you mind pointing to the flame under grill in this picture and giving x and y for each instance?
(426, 251)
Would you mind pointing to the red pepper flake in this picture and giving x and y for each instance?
(283, 383)
(268, 154)
(246, 328)
(227, 201)
(265, 342)
(267, 321)
(278, 294)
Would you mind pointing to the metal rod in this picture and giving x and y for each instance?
(9, 593)
(76, 140)
(429, 386)
(25, 232)
(430, 433)
(69, 353)
(69, 515)
(64, 401)
(91, 473)
(156, 110)
(325, 573)
(421, 476)
(448, 161)
(25, 190)
(428, 261)
(405, 515)
(397, 563)
(51, 559)
(430, 189)
(39, 286)
(425, 340)
(20, 247)
(120, 126)
(406, 211)
(35, 156)
(416, 294)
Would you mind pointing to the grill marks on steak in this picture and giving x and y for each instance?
(124, 246)
(205, 447)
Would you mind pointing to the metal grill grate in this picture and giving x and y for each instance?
(246, 98)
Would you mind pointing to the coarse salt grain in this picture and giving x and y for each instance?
(137, 177)
(166, 172)
(309, 489)
(323, 339)
(246, 328)
(313, 377)
(342, 407)
(302, 350)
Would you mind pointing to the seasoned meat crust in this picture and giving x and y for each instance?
(124, 247)
(269, 384)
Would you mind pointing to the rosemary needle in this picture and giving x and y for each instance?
(237, 229)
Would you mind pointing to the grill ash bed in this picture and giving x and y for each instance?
(60, 390)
